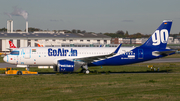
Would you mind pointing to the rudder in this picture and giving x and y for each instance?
(160, 37)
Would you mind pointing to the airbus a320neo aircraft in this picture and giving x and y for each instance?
(69, 59)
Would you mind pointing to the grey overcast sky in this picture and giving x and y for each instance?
(142, 16)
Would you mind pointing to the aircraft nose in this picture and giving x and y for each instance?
(5, 59)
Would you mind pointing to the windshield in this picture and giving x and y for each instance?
(14, 53)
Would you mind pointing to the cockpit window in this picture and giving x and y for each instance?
(14, 53)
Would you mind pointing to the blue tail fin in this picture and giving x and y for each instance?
(160, 37)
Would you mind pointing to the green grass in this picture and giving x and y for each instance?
(76, 87)
(1, 60)
(137, 86)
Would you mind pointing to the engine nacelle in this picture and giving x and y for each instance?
(67, 66)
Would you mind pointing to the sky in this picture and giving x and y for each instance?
(99, 16)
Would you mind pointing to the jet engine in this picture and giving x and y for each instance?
(67, 66)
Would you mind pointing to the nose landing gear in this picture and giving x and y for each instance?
(85, 69)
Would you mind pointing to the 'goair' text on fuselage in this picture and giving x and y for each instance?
(62, 52)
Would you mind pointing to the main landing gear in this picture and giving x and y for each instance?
(85, 69)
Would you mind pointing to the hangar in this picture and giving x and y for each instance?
(49, 38)
(23, 39)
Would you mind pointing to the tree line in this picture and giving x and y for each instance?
(122, 34)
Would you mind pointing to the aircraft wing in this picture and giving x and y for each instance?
(90, 59)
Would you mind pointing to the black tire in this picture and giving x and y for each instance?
(84, 71)
(19, 73)
(81, 71)
(55, 68)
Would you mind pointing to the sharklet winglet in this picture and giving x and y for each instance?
(117, 49)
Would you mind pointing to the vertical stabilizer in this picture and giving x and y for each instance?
(11, 45)
(160, 37)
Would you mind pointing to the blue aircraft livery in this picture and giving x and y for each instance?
(128, 55)
(62, 52)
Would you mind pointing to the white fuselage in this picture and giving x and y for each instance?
(50, 55)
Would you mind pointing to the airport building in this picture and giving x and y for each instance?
(50, 38)
(128, 40)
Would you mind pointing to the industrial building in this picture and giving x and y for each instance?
(128, 41)
(49, 38)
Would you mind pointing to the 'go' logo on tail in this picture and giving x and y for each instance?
(160, 36)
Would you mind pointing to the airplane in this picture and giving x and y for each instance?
(12, 45)
(40, 45)
(69, 59)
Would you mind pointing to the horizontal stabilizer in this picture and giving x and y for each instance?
(10, 49)
(165, 53)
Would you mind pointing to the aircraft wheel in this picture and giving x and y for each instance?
(84, 71)
(55, 68)
(19, 73)
(87, 71)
